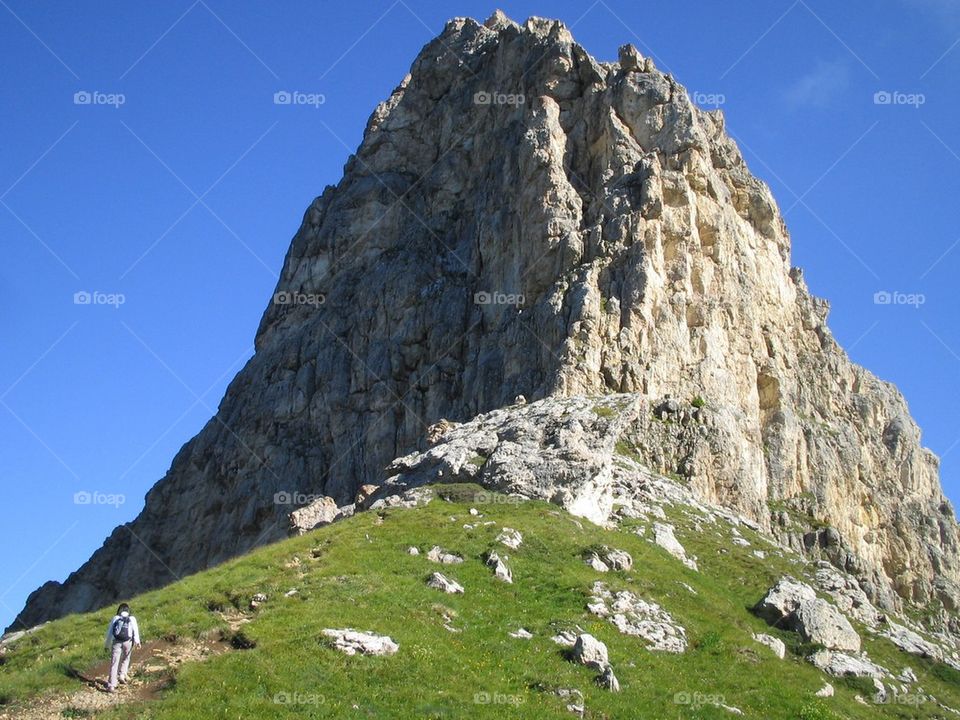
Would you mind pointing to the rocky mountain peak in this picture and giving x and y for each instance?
(521, 219)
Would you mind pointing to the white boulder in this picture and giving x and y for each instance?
(439, 581)
(351, 642)
(775, 644)
(589, 651)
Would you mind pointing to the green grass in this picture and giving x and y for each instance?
(364, 579)
(628, 450)
(478, 461)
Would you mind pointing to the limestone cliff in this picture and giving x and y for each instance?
(521, 219)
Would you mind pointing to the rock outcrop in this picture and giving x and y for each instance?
(589, 651)
(439, 581)
(632, 615)
(351, 642)
(522, 220)
(844, 665)
(793, 605)
(664, 537)
(500, 569)
(439, 555)
(775, 644)
(322, 511)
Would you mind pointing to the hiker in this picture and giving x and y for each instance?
(122, 634)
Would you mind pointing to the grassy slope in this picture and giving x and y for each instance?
(363, 578)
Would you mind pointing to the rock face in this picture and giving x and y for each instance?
(820, 622)
(795, 606)
(521, 219)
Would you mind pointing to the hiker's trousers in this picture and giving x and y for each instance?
(120, 661)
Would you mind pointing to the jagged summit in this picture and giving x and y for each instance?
(520, 219)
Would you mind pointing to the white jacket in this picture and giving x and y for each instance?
(134, 630)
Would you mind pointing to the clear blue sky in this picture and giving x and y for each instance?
(183, 199)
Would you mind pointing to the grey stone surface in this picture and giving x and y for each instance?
(500, 569)
(632, 615)
(818, 621)
(439, 581)
(352, 642)
(438, 555)
(844, 664)
(602, 236)
(589, 651)
(793, 605)
(775, 644)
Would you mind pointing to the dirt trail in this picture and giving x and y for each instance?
(151, 671)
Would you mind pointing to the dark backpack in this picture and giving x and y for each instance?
(121, 630)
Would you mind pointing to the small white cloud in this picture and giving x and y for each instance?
(821, 86)
(946, 12)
